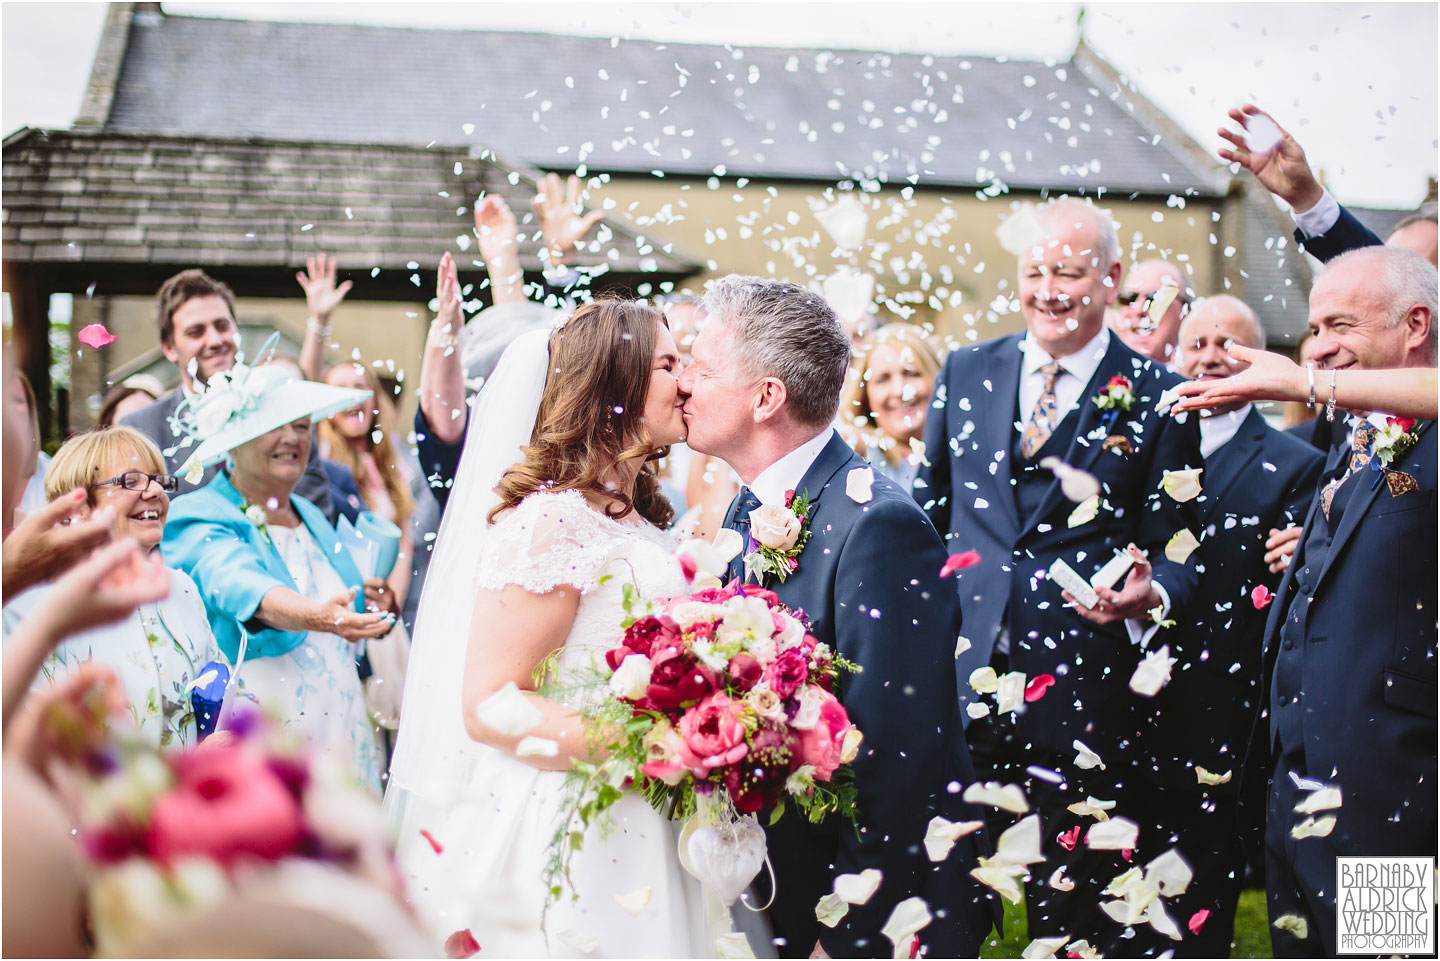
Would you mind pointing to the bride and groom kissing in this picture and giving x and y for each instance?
(553, 493)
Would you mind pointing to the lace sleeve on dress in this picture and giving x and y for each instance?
(545, 541)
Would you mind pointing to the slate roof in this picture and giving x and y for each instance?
(105, 197)
(636, 106)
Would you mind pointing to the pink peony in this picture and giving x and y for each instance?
(226, 804)
(677, 678)
(823, 746)
(713, 734)
(788, 672)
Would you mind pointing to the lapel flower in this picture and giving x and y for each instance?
(256, 515)
(1395, 439)
(777, 536)
(1116, 395)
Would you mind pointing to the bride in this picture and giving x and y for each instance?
(555, 509)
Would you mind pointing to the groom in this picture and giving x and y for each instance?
(762, 392)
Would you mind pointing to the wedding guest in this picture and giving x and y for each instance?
(1256, 479)
(1420, 233)
(1132, 317)
(159, 650)
(888, 396)
(125, 398)
(1351, 672)
(986, 490)
(195, 314)
(268, 564)
(360, 439)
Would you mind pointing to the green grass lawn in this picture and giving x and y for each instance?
(1252, 930)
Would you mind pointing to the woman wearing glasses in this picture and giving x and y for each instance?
(161, 648)
(272, 571)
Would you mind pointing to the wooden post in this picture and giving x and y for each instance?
(30, 336)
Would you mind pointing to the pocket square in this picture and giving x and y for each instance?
(1400, 482)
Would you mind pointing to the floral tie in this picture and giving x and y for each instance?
(1359, 459)
(1042, 419)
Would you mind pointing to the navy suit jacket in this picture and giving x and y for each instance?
(154, 422)
(1347, 234)
(868, 579)
(1260, 479)
(440, 461)
(968, 492)
(1367, 663)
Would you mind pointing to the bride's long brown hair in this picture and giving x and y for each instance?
(591, 419)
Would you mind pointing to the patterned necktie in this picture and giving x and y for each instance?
(744, 504)
(1359, 459)
(1042, 419)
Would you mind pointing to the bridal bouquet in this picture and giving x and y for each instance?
(176, 836)
(718, 703)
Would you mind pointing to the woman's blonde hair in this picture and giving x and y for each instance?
(591, 416)
(855, 403)
(82, 460)
(341, 452)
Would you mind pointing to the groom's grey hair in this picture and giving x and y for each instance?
(779, 329)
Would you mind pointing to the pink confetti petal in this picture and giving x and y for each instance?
(461, 944)
(1068, 839)
(433, 843)
(687, 567)
(1261, 597)
(95, 336)
(1037, 687)
(1198, 919)
(958, 562)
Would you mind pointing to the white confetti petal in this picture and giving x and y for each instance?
(1092, 807)
(962, 644)
(1022, 230)
(733, 945)
(904, 922)
(1152, 673)
(984, 681)
(530, 746)
(1182, 485)
(1170, 873)
(1116, 834)
(941, 835)
(1003, 879)
(850, 293)
(1020, 843)
(1313, 828)
(1010, 692)
(857, 888)
(584, 943)
(1044, 947)
(1007, 797)
(830, 910)
(1294, 924)
(634, 901)
(1075, 484)
(508, 711)
(845, 221)
(977, 710)
(1205, 777)
(1181, 546)
(728, 543)
(1161, 921)
(1322, 800)
(1059, 881)
(1086, 759)
(1164, 297)
(857, 484)
(1084, 512)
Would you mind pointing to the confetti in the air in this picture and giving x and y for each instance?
(857, 888)
(1294, 925)
(461, 944)
(1261, 597)
(958, 562)
(633, 902)
(1181, 546)
(845, 221)
(1313, 828)
(941, 835)
(1183, 485)
(1325, 799)
(1206, 777)
(1037, 687)
(508, 711)
(1086, 759)
(1153, 672)
(95, 335)
(1007, 797)
(905, 921)
(1077, 485)
(858, 483)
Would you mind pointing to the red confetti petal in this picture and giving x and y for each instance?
(1068, 839)
(1261, 597)
(1037, 687)
(958, 562)
(1127, 853)
(461, 944)
(1198, 919)
(95, 336)
(687, 567)
(431, 838)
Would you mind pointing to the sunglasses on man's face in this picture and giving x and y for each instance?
(135, 480)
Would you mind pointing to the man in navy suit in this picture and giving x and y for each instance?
(762, 393)
(1196, 729)
(999, 410)
(1350, 641)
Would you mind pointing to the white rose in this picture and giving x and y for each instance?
(775, 527)
(256, 514)
(791, 634)
(632, 677)
(749, 615)
(807, 715)
(215, 411)
(766, 702)
(693, 612)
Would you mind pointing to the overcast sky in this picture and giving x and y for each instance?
(1355, 82)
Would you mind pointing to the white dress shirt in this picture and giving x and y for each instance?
(1319, 218)
(1217, 431)
(1076, 371)
(787, 472)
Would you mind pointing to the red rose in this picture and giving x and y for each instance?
(1118, 380)
(226, 804)
(1406, 424)
(676, 678)
(745, 671)
(789, 497)
(788, 672)
(642, 637)
(759, 779)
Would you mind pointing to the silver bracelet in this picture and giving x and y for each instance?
(1310, 374)
(318, 329)
(1330, 404)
